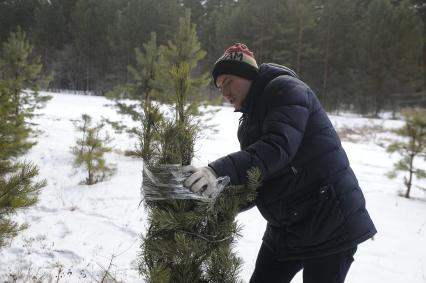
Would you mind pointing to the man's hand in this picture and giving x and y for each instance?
(202, 180)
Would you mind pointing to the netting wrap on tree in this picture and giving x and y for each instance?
(165, 182)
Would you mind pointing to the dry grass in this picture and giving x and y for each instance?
(365, 133)
(58, 273)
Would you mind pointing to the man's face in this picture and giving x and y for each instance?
(234, 89)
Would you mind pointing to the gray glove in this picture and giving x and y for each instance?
(202, 180)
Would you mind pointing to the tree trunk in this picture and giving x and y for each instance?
(394, 105)
(410, 178)
(90, 177)
(17, 102)
(299, 45)
(379, 104)
(378, 97)
(326, 61)
(424, 62)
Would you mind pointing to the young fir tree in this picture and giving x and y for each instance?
(90, 149)
(140, 92)
(411, 147)
(21, 72)
(181, 86)
(18, 189)
(189, 240)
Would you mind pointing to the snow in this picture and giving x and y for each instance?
(77, 232)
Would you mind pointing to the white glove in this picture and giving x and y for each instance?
(202, 178)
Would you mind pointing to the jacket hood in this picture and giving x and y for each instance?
(270, 71)
(267, 72)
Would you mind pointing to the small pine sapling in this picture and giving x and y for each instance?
(135, 100)
(90, 149)
(412, 146)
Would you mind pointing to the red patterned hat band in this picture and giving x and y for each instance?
(237, 60)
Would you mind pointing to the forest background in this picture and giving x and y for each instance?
(365, 56)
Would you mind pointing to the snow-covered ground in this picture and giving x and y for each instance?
(80, 231)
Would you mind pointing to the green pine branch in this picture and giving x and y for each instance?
(18, 190)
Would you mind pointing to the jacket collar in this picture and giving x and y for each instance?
(245, 106)
(267, 72)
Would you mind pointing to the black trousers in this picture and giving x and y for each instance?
(328, 269)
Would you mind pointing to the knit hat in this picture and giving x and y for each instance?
(237, 60)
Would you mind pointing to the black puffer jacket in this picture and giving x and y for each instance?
(310, 196)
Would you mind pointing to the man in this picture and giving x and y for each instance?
(310, 197)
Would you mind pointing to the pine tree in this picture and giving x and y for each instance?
(90, 22)
(21, 74)
(388, 55)
(192, 241)
(420, 7)
(408, 76)
(411, 147)
(16, 13)
(141, 92)
(302, 20)
(134, 23)
(188, 240)
(254, 23)
(334, 33)
(90, 149)
(180, 86)
(50, 37)
(216, 31)
(180, 57)
(18, 187)
(197, 8)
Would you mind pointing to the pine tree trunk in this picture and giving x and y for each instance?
(299, 44)
(87, 78)
(146, 149)
(379, 104)
(90, 174)
(410, 177)
(326, 61)
(424, 62)
(17, 102)
(262, 39)
(16, 97)
(394, 106)
(90, 170)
